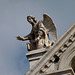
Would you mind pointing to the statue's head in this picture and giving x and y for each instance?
(31, 19)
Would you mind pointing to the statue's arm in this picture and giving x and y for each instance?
(23, 38)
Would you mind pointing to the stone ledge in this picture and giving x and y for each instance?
(60, 72)
(34, 55)
(36, 51)
(35, 58)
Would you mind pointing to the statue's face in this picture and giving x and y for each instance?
(31, 19)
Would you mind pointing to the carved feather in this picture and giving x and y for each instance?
(50, 26)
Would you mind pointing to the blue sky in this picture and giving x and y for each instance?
(13, 22)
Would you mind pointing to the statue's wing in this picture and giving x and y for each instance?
(50, 26)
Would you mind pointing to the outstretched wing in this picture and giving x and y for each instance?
(50, 26)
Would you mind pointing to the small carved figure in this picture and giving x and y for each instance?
(39, 35)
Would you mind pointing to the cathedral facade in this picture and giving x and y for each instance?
(56, 60)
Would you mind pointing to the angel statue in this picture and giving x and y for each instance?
(39, 35)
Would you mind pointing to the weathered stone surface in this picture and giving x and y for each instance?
(34, 56)
(68, 71)
(60, 56)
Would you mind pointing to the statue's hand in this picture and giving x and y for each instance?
(20, 38)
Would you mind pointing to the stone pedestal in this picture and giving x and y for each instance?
(34, 56)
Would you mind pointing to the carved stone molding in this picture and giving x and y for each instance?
(54, 54)
(58, 53)
(68, 71)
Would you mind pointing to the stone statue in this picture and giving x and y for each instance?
(39, 35)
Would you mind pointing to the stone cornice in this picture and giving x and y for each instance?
(56, 51)
(60, 72)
